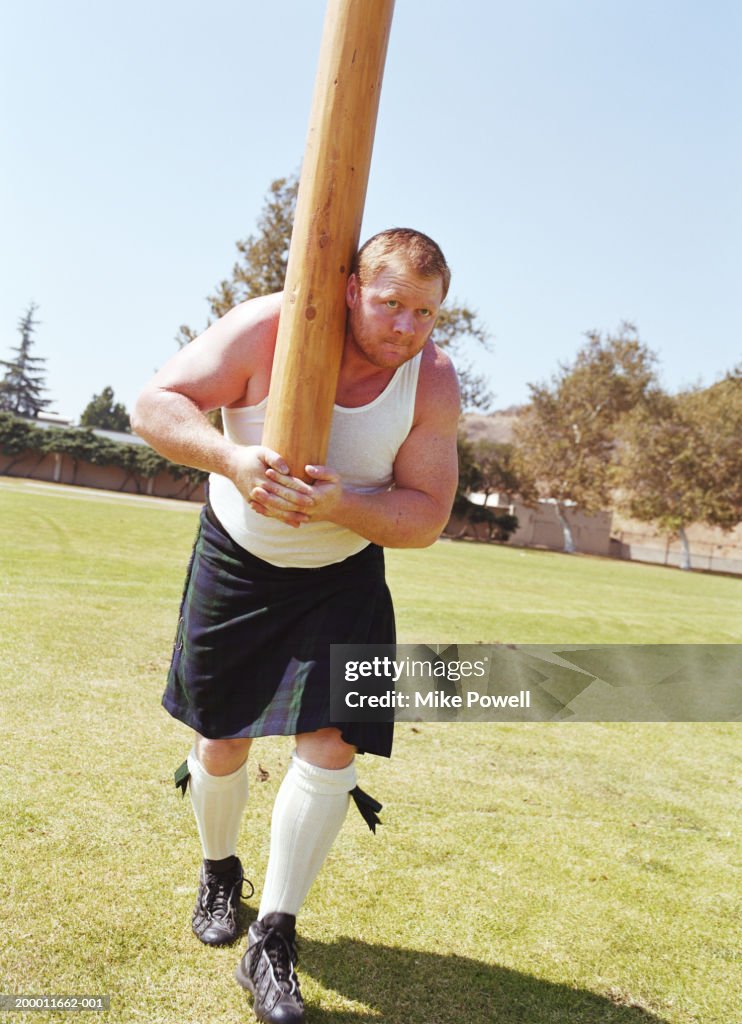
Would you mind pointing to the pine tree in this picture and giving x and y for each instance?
(22, 386)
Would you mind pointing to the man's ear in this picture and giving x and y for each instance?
(352, 291)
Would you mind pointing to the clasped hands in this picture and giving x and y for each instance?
(265, 482)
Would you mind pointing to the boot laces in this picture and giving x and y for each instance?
(218, 892)
(282, 954)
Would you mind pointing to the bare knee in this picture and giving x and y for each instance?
(221, 757)
(325, 748)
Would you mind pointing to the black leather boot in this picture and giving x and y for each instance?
(217, 903)
(267, 970)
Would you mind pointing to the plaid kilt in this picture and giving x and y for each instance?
(252, 648)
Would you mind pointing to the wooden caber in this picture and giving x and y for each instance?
(327, 224)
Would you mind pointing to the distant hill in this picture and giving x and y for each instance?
(496, 426)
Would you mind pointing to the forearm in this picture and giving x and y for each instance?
(402, 518)
(175, 427)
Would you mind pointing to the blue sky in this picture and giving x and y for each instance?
(580, 163)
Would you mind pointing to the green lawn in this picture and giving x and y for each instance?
(525, 874)
(471, 592)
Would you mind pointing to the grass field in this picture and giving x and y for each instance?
(525, 874)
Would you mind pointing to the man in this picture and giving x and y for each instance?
(282, 569)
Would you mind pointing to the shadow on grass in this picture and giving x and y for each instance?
(414, 987)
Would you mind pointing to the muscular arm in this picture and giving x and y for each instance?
(215, 370)
(414, 513)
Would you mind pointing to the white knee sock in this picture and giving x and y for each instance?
(218, 802)
(310, 808)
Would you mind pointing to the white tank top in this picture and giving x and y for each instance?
(363, 446)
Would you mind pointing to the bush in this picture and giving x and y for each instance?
(500, 525)
(19, 437)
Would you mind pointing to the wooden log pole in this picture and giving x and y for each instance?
(327, 224)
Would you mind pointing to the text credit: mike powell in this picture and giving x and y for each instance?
(536, 682)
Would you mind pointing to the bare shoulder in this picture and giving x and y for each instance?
(253, 322)
(217, 366)
(263, 310)
(438, 395)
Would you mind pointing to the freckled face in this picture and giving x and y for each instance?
(393, 316)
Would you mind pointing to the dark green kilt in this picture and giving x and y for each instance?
(252, 649)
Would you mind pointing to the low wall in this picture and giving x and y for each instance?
(540, 527)
(609, 534)
(710, 549)
(61, 469)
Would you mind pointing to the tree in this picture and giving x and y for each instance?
(717, 414)
(261, 269)
(680, 460)
(498, 467)
(101, 411)
(567, 434)
(22, 387)
(467, 466)
(454, 326)
(488, 466)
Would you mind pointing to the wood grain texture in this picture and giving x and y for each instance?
(329, 210)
